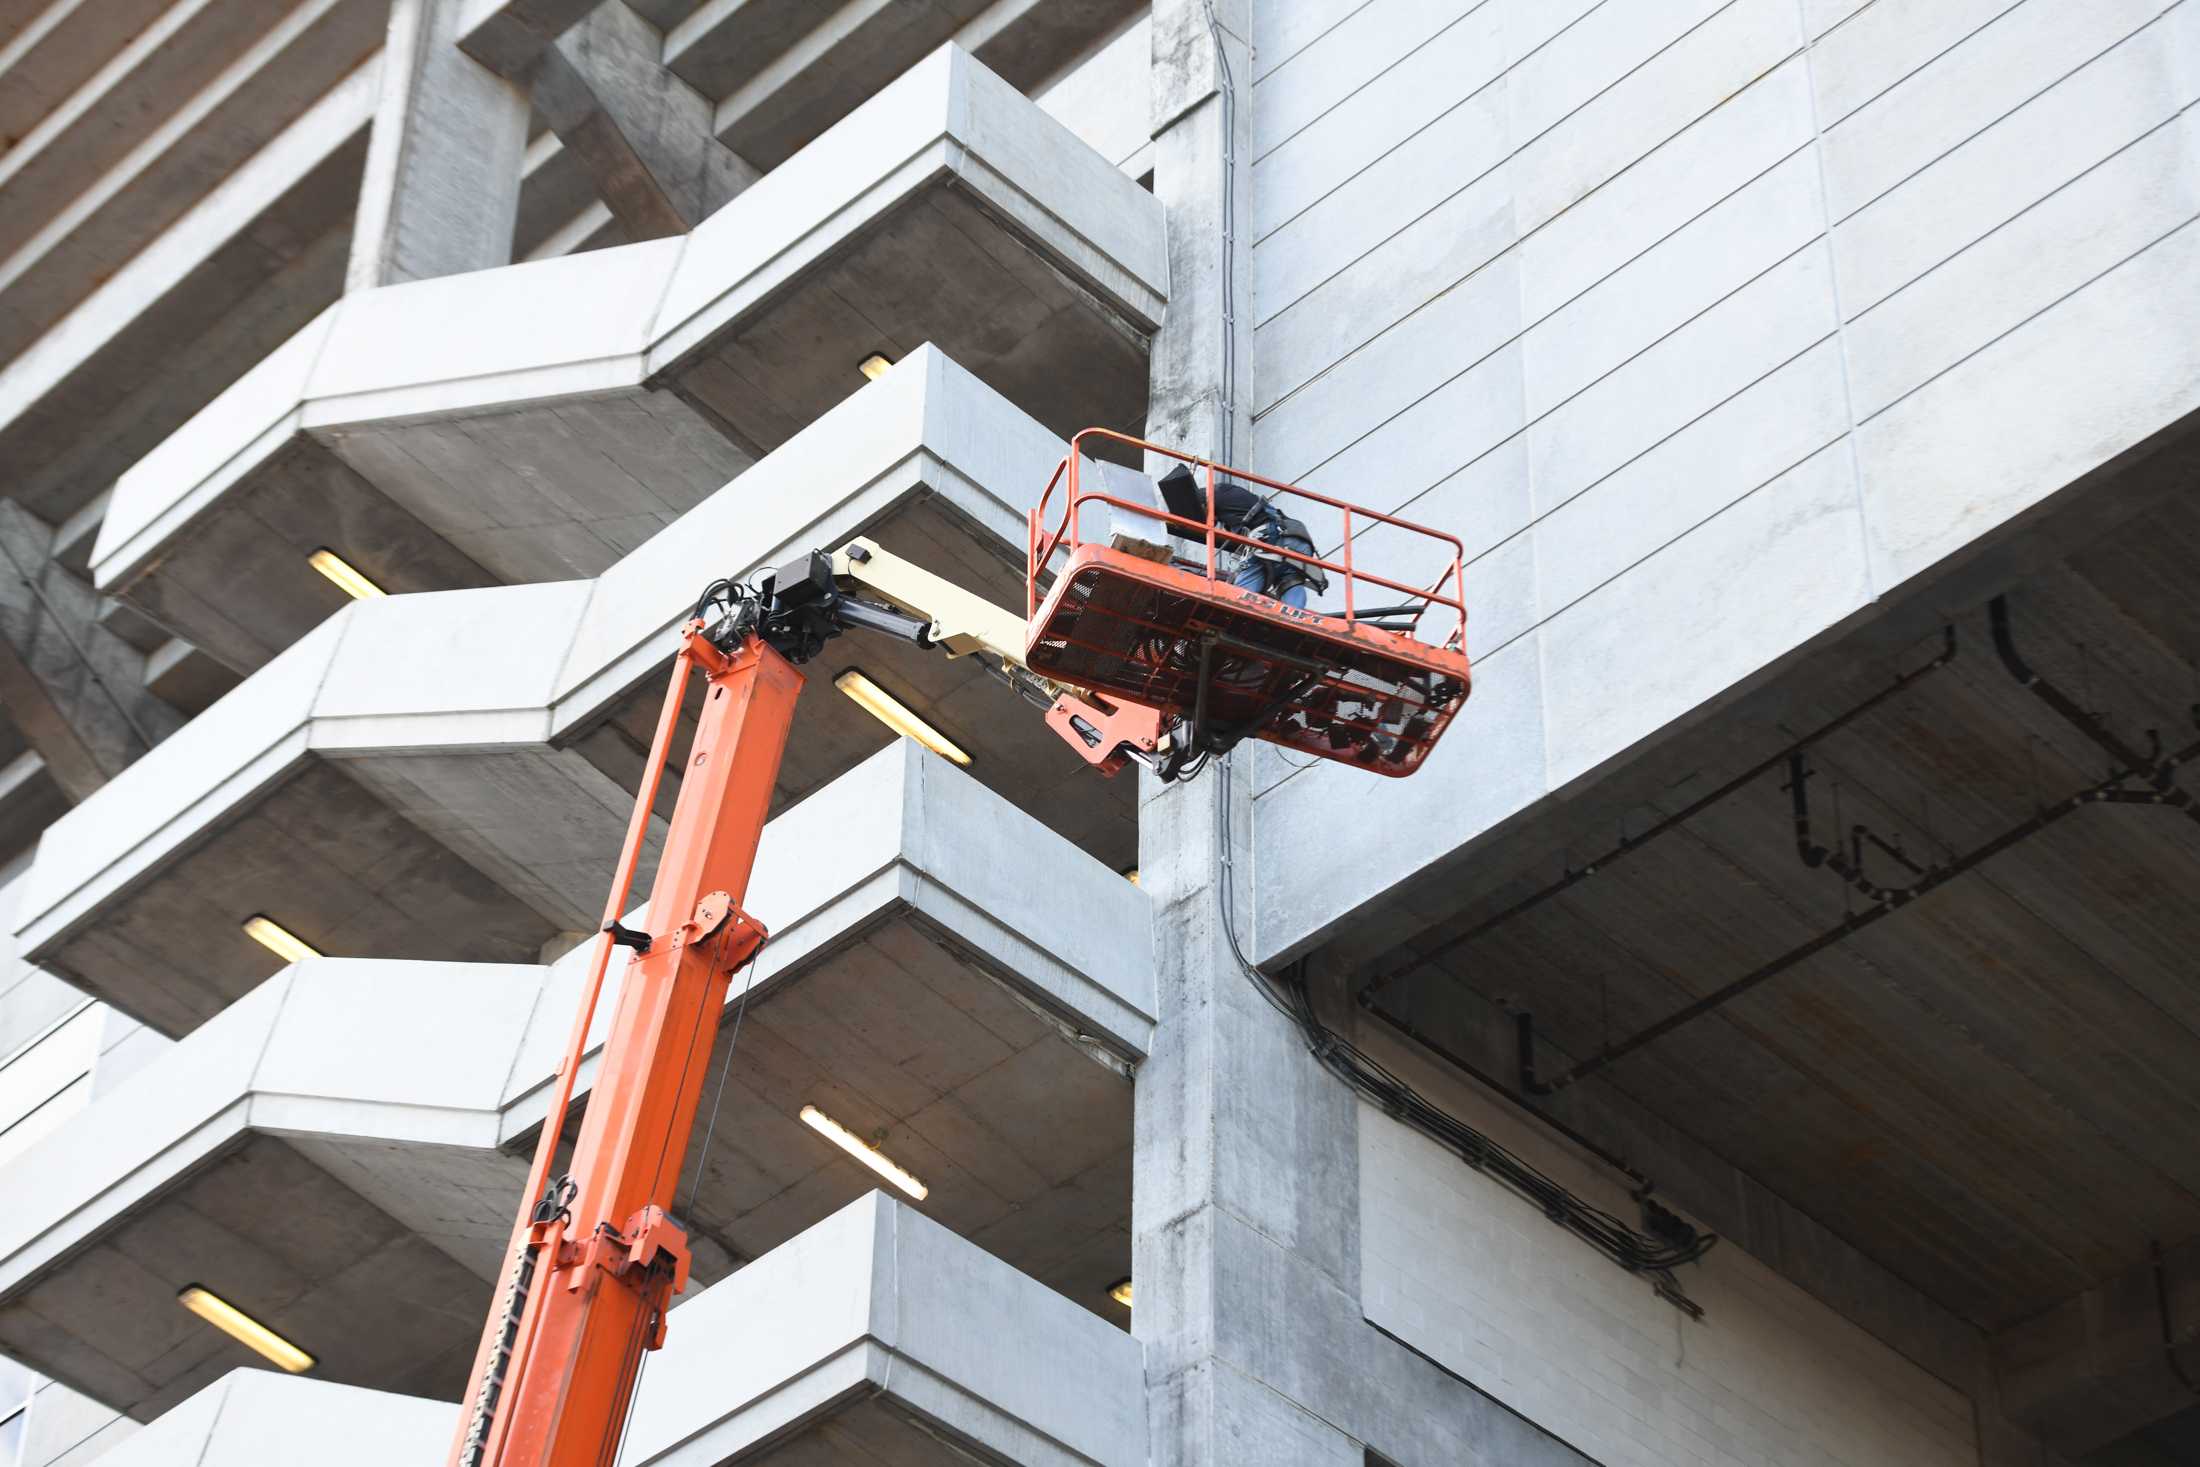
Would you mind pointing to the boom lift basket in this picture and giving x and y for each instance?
(1358, 677)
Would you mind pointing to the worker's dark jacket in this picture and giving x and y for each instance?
(1241, 511)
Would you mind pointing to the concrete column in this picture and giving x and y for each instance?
(1246, 1205)
(1184, 405)
(75, 691)
(644, 135)
(441, 187)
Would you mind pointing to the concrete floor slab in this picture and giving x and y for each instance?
(449, 775)
(893, 1341)
(942, 973)
(452, 432)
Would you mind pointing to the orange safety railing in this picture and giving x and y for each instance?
(1042, 545)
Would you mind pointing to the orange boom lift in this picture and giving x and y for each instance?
(1137, 644)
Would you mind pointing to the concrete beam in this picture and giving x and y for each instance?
(458, 423)
(941, 970)
(1030, 42)
(850, 50)
(2111, 1361)
(64, 247)
(783, 71)
(29, 802)
(57, 48)
(510, 36)
(185, 49)
(888, 1336)
(247, 266)
(555, 189)
(491, 735)
(73, 690)
(441, 188)
(643, 135)
(185, 678)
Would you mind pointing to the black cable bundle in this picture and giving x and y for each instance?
(1639, 1253)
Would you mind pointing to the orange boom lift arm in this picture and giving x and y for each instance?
(595, 1257)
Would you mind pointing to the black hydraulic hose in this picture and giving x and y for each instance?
(1628, 845)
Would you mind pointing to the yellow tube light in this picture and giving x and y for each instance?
(279, 939)
(1120, 1292)
(897, 715)
(344, 574)
(244, 1329)
(875, 366)
(862, 1151)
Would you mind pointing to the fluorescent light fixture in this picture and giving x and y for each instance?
(279, 940)
(1120, 1292)
(344, 574)
(897, 715)
(875, 366)
(243, 1328)
(862, 1151)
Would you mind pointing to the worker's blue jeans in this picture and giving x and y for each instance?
(1254, 576)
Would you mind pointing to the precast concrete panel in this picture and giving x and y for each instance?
(1712, 328)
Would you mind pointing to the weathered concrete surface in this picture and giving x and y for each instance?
(510, 36)
(49, 51)
(914, 987)
(79, 209)
(450, 775)
(441, 187)
(249, 263)
(75, 692)
(643, 135)
(892, 1340)
(461, 434)
(784, 70)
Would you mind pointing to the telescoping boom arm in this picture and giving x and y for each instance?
(1172, 663)
(595, 1257)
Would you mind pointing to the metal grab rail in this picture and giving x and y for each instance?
(1041, 547)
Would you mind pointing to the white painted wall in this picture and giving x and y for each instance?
(1706, 324)
(1481, 1282)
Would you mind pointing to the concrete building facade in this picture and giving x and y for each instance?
(1811, 383)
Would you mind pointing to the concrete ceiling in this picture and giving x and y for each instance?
(279, 1237)
(1990, 1092)
(327, 859)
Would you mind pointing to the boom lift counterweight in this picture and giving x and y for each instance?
(1145, 655)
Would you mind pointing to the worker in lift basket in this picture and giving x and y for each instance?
(1241, 511)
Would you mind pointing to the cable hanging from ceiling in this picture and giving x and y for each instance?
(1652, 1255)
